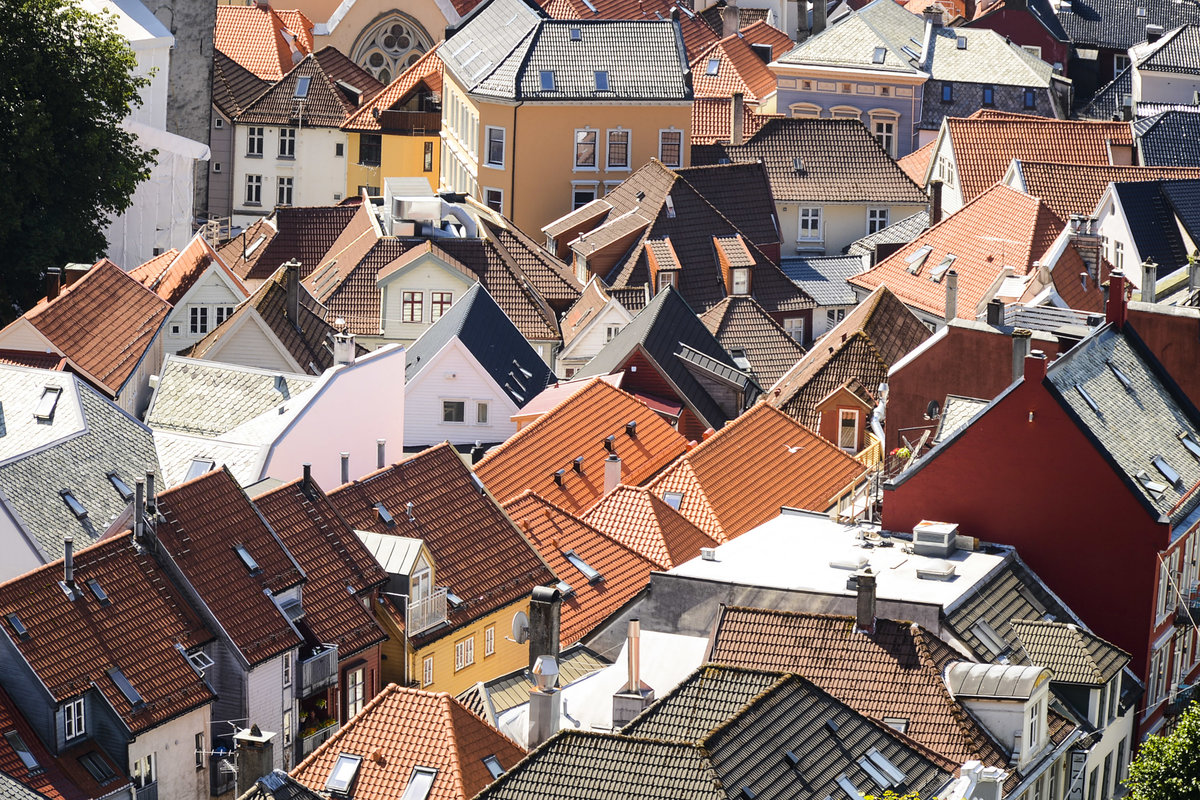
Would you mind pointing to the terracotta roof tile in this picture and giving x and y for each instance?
(1075, 292)
(426, 70)
(72, 644)
(264, 41)
(641, 520)
(624, 571)
(478, 552)
(172, 280)
(712, 116)
(740, 323)
(577, 428)
(103, 323)
(31, 358)
(1077, 188)
(234, 86)
(876, 334)
(326, 104)
(757, 443)
(242, 252)
(410, 728)
(916, 163)
(738, 67)
(202, 543)
(52, 778)
(304, 234)
(333, 558)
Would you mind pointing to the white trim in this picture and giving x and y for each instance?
(628, 149)
(487, 146)
(575, 150)
(682, 145)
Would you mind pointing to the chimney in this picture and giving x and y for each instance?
(139, 503)
(380, 453)
(1035, 366)
(291, 282)
(1153, 33)
(819, 11)
(995, 312)
(1193, 274)
(864, 616)
(345, 467)
(255, 754)
(53, 282)
(1020, 349)
(545, 607)
(343, 345)
(933, 15)
(736, 131)
(935, 202)
(477, 453)
(636, 695)
(69, 562)
(544, 702)
(1149, 281)
(1114, 308)
(612, 472)
(951, 295)
(730, 19)
(307, 468)
(151, 498)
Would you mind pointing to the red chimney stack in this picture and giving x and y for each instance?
(1114, 310)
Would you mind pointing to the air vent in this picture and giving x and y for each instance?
(934, 538)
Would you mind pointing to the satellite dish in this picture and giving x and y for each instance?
(933, 410)
(520, 628)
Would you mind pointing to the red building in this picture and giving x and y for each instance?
(1090, 466)
(1030, 24)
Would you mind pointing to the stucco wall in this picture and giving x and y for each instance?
(841, 224)
(220, 184)
(829, 92)
(173, 745)
(401, 157)
(318, 173)
(509, 655)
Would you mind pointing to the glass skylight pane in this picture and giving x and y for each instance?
(121, 486)
(588, 571)
(96, 766)
(98, 591)
(942, 268)
(547, 77)
(1167, 471)
(76, 507)
(419, 784)
(564, 588)
(199, 467)
(22, 750)
(880, 779)
(247, 559)
(17, 626)
(601, 81)
(1190, 444)
(454, 600)
(673, 499)
(302, 86)
(45, 407)
(886, 766)
(341, 777)
(1087, 398)
(493, 766)
(122, 682)
(714, 65)
(849, 788)
(384, 515)
(1120, 376)
(879, 55)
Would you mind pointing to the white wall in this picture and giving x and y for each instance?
(319, 175)
(593, 338)
(135, 395)
(250, 343)
(453, 374)
(211, 291)
(19, 554)
(267, 700)
(173, 745)
(426, 275)
(841, 224)
(1164, 87)
(1110, 224)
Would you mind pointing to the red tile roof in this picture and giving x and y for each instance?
(711, 476)
(478, 553)
(578, 428)
(405, 728)
(554, 532)
(1076, 188)
(712, 116)
(31, 358)
(243, 252)
(739, 67)
(262, 40)
(916, 163)
(103, 323)
(638, 517)
(72, 644)
(426, 70)
(333, 558)
(205, 519)
(172, 280)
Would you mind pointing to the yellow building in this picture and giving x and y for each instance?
(542, 116)
(396, 135)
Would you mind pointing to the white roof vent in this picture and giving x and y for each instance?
(853, 561)
(708, 553)
(934, 538)
(937, 571)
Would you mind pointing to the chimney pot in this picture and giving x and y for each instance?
(139, 503)
(345, 467)
(1149, 281)
(380, 453)
(612, 472)
(53, 282)
(307, 473)
(1021, 342)
(1035, 366)
(864, 621)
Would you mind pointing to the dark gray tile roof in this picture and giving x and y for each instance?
(1109, 100)
(702, 702)
(326, 103)
(1178, 51)
(742, 192)
(490, 336)
(740, 323)
(901, 232)
(1073, 654)
(1151, 214)
(1115, 24)
(278, 785)
(823, 278)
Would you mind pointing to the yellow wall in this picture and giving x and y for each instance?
(401, 157)
(509, 656)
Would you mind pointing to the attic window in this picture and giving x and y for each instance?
(798, 164)
(98, 592)
(341, 777)
(199, 467)
(1190, 444)
(385, 516)
(848, 787)
(899, 724)
(877, 765)
(45, 407)
(257, 244)
(122, 682)
(97, 767)
(247, 559)
(493, 766)
(18, 627)
(76, 507)
(121, 486)
(1087, 398)
(589, 572)
(576, 34)
(1167, 471)
(918, 258)
(601, 81)
(22, 750)
(547, 77)
(419, 783)
(302, 87)
(1120, 376)
(673, 499)
(942, 268)
(714, 66)
(879, 55)
(962, 43)
(670, 207)
(1141, 12)
(454, 600)
(1150, 485)
(739, 359)
(201, 660)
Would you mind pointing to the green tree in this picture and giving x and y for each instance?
(1168, 767)
(66, 83)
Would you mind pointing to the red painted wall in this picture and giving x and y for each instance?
(1042, 487)
(1175, 342)
(1024, 29)
(372, 681)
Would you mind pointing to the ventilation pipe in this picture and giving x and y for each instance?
(864, 617)
(612, 472)
(635, 696)
(951, 296)
(69, 562)
(545, 701)
(345, 467)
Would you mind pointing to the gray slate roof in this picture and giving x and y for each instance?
(1116, 24)
(1169, 139)
(96, 438)
(1151, 209)
(1178, 51)
(1073, 654)
(823, 278)
(956, 413)
(901, 232)
(13, 789)
(1109, 101)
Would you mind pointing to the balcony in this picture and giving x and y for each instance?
(411, 123)
(315, 739)
(149, 792)
(425, 614)
(1180, 698)
(318, 670)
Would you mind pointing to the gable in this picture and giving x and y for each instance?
(424, 270)
(20, 334)
(250, 342)
(454, 372)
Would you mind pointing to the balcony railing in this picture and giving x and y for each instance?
(147, 792)
(1181, 697)
(411, 123)
(318, 670)
(424, 614)
(316, 739)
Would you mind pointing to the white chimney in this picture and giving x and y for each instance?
(380, 453)
(951, 295)
(345, 467)
(545, 702)
(612, 472)
(1149, 281)
(636, 695)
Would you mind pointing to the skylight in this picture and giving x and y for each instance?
(673, 499)
(302, 86)
(454, 600)
(201, 660)
(419, 783)
(740, 359)
(884, 765)
(899, 724)
(714, 66)
(990, 638)
(122, 682)
(576, 34)
(792, 759)
(1120, 376)
(601, 81)
(591, 6)
(849, 788)
(942, 268)
(917, 258)
(493, 766)
(385, 516)
(257, 244)
(1087, 398)
(578, 563)
(341, 777)
(1152, 486)
(22, 750)
(76, 507)
(98, 592)
(121, 486)
(45, 407)
(670, 207)
(879, 55)
(1190, 444)
(547, 77)
(962, 43)
(564, 588)
(17, 626)
(247, 559)
(199, 467)
(1167, 471)
(96, 766)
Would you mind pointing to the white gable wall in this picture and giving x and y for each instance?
(212, 291)
(21, 335)
(250, 343)
(454, 374)
(428, 274)
(591, 340)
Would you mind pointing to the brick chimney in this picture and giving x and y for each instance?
(737, 134)
(612, 472)
(1114, 307)
(864, 616)
(53, 282)
(731, 18)
(934, 15)
(1035, 366)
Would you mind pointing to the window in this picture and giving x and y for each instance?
(493, 766)
(143, 771)
(805, 111)
(601, 78)
(97, 767)
(339, 149)
(877, 219)
(585, 149)
(547, 80)
(216, 166)
(247, 560)
(341, 777)
(439, 304)
(665, 278)
(989, 96)
(848, 430)
(673, 499)
(22, 750)
(284, 195)
(254, 142)
(879, 55)
(494, 199)
(833, 316)
(1034, 740)
(794, 327)
(370, 149)
(454, 411)
(618, 149)
(1030, 98)
(1105, 777)
(427, 671)
(741, 281)
(198, 467)
(121, 681)
(1092, 783)
(302, 87)
(287, 669)
(947, 92)
(427, 164)
(714, 66)
(885, 133)
(495, 147)
(73, 721)
(199, 319)
(47, 403)
(896, 723)
(810, 225)
(845, 112)
(1118, 258)
(1120, 63)
(200, 742)
(610, 332)
(410, 307)
(218, 122)
(464, 653)
(287, 728)
(419, 784)
(224, 313)
(1156, 687)
(481, 413)
(254, 190)
(355, 680)
(670, 148)
(287, 142)
(489, 640)
(582, 194)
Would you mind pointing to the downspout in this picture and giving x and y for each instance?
(512, 172)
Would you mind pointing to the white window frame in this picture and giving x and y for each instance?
(254, 182)
(793, 326)
(223, 313)
(482, 413)
(285, 188)
(885, 116)
(464, 653)
(488, 193)
(608, 149)
(74, 720)
(356, 690)
(877, 215)
(584, 186)
(846, 112)
(198, 320)
(662, 141)
(667, 278)
(810, 213)
(489, 641)
(448, 400)
(610, 332)
(576, 141)
(143, 773)
(287, 670)
(256, 140)
(1120, 63)
(740, 281)
(427, 671)
(287, 143)
(805, 111)
(488, 131)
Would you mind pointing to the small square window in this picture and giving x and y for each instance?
(547, 80)
(947, 93)
(454, 411)
(673, 499)
(247, 559)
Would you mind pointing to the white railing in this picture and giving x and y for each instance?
(424, 614)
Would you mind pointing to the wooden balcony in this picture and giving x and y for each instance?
(411, 123)
(318, 670)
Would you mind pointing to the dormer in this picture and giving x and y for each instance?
(410, 568)
(1010, 701)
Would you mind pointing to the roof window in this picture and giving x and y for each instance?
(673, 499)
(792, 759)
(590, 6)
(45, 407)
(200, 660)
(547, 77)
(879, 55)
(122, 682)
(849, 788)
(254, 246)
(601, 80)
(564, 588)
(1087, 398)
(714, 66)
(589, 572)
(1156, 489)
(886, 774)
(385, 516)
(917, 258)
(670, 207)
(121, 486)
(1120, 376)
(899, 724)
(341, 777)
(1190, 444)
(962, 43)
(419, 783)
(247, 559)
(942, 268)
(98, 592)
(302, 87)
(1141, 12)
(797, 164)
(493, 766)
(18, 627)
(76, 507)
(1167, 471)
(576, 34)
(199, 467)
(454, 600)
(97, 767)
(992, 640)
(740, 359)
(22, 750)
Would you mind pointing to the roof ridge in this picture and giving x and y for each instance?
(522, 434)
(531, 495)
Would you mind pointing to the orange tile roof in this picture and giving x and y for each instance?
(72, 644)
(577, 428)
(202, 543)
(1077, 188)
(554, 532)
(1071, 288)
(243, 252)
(711, 477)
(172, 280)
(739, 68)
(425, 70)
(985, 145)
(103, 323)
(405, 728)
(264, 41)
(637, 516)
(1000, 229)
(916, 163)
(711, 118)
(32, 358)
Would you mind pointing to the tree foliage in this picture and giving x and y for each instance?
(1168, 767)
(66, 164)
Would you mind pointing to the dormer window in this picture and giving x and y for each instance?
(1037, 726)
(741, 280)
(665, 279)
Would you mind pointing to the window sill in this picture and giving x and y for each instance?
(585, 169)
(489, 164)
(254, 205)
(254, 155)
(617, 169)
(366, 164)
(286, 158)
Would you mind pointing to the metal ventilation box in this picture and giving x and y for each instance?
(934, 539)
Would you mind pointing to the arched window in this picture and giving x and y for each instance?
(805, 111)
(845, 112)
(390, 45)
